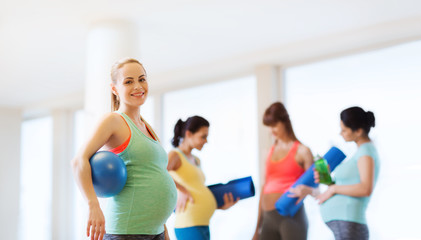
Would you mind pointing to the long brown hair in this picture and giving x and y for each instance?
(275, 113)
(115, 102)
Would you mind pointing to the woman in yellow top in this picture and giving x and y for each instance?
(195, 203)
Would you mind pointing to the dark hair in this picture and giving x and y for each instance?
(356, 118)
(275, 113)
(192, 124)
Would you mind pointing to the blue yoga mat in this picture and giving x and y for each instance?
(242, 188)
(286, 205)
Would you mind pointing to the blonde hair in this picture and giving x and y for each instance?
(115, 102)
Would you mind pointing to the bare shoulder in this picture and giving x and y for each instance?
(303, 150)
(111, 121)
(366, 160)
(174, 161)
(113, 126)
(173, 156)
(103, 134)
(304, 156)
(113, 117)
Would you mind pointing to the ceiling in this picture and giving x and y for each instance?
(43, 42)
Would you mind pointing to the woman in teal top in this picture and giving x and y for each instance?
(344, 203)
(141, 209)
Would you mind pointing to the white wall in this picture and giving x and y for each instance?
(10, 131)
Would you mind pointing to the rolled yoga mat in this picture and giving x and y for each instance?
(286, 205)
(242, 188)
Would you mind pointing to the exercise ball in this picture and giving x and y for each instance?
(109, 173)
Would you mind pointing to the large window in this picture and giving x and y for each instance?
(36, 179)
(386, 82)
(231, 151)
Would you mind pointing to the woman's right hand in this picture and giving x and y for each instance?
(316, 176)
(96, 223)
(183, 197)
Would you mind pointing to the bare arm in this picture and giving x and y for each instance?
(362, 189)
(82, 173)
(174, 163)
(259, 217)
(304, 157)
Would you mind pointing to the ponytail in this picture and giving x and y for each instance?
(371, 120)
(178, 133)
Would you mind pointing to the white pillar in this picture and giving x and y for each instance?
(108, 41)
(270, 88)
(10, 142)
(62, 180)
(158, 124)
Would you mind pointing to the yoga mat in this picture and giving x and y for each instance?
(242, 188)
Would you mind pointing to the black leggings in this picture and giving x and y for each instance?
(278, 227)
(134, 237)
(344, 230)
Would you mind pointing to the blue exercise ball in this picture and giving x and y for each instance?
(109, 173)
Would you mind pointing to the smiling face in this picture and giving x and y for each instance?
(131, 86)
(198, 139)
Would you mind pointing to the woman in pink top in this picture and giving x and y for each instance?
(286, 161)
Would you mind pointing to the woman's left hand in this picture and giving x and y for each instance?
(229, 201)
(327, 194)
(300, 191)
